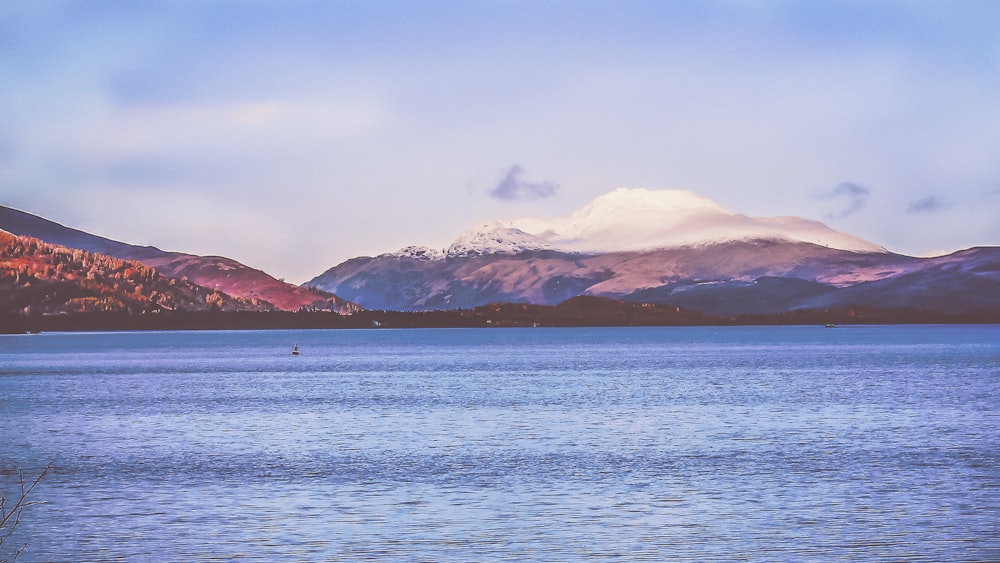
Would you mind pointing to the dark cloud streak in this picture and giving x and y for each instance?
(512, 187)
(929, 204)
(854, 196)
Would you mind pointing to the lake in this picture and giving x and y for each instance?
(659, 444)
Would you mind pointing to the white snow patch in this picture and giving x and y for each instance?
(643, 219)
(495, 238)
(637, 220)
(417, 252)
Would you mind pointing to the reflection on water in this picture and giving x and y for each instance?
(564, 444)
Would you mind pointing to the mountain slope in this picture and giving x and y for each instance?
(234, 278)
(748, 277)
(21, 223)
(213, 272)
(550, 277)
(41, 278)
(966, 281)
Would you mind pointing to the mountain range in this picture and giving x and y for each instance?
(668, 248)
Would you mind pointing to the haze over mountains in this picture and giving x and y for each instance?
(666, 247)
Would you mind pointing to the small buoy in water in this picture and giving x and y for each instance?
(295, 350)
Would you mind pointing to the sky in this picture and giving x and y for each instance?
(294, 135)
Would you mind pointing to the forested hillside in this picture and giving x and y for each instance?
(41, 278)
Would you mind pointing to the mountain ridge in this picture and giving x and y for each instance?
(614, 247)
(213, 272)
(39, 278)
(732, 276)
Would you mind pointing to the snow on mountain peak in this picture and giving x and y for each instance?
(636, 220)
(644, 219)
(651, 201)
(623, 219)
(418, 253)
(495, 238)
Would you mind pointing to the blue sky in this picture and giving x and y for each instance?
(294, 135)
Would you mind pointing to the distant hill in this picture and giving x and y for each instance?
(38, 278)
(213, 272)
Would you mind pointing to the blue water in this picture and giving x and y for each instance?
(661, 444)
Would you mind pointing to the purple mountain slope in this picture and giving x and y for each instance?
(733, 278)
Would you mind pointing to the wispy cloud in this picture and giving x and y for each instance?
(929, 204)
(512, 187)
(850, 198)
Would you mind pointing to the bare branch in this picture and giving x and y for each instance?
(10, 518)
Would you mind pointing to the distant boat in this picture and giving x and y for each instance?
(831, 325)
(295, 350)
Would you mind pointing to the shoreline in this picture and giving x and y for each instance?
(492, 316)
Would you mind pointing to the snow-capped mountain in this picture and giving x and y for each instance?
(495, 238)
(631, 220)
(642, 219)
(417, 253)
(669, 247)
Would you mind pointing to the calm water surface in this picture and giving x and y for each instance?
(666, 444)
